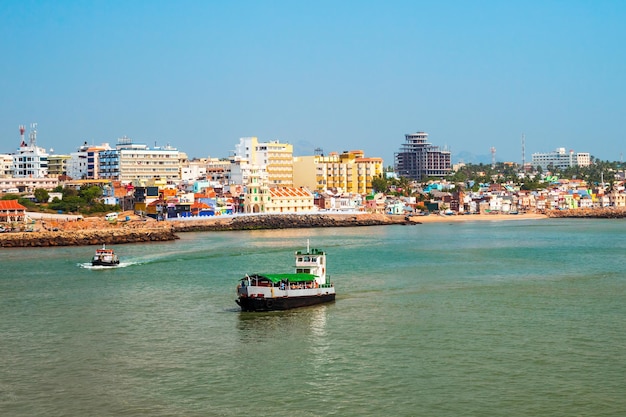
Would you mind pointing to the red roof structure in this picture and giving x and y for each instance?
(11, 210)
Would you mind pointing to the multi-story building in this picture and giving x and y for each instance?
(136, 163)
(196, 169)
(273, 157)
(85, 162)
(218, 171)
(560, 159)
(256, 192)
(304, 172)
(419, 159)
(57, 165)
(6, 166)
(240, 171)
(290, 200)
(349, 172)
(30, 161)
(27, 185)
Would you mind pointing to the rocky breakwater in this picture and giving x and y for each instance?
(88, 233)
(590, 213)
(285, 221)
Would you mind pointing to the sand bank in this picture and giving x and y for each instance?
(438, 218)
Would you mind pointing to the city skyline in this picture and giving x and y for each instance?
(27, 135)
(352, 75)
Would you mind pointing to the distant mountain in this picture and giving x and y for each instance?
(470, 158)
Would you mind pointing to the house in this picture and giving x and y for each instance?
(11, 211)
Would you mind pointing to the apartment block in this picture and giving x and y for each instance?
(418, 159)
(560, 159)
(349, 172)
(136, 163)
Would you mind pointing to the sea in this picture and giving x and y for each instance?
(475, 318)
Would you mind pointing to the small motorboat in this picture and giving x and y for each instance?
(105, 257)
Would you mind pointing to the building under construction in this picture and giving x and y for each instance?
(419, 159)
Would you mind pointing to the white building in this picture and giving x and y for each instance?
(136, 163)
(273, 157)
(194, 170)
(30, 161)
(85, 162)
(561, 159)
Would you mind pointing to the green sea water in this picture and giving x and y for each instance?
(516, 318)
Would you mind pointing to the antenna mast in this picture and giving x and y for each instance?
(493, 157)
(22, 130)
(33, 134)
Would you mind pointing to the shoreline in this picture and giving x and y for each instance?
(438, 218)
(51, 231)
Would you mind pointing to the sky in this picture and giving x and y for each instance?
(336, 75)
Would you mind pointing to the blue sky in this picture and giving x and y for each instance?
(339, 75)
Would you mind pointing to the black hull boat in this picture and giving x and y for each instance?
(283, 303)
(105, 257)
(307, 286)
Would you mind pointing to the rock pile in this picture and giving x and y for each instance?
(85, 237)
(592, 213)
(94, 231)
(286, 221)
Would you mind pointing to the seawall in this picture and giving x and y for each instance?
(285, 221)
(84, 237)
(96, 231)
(591, 213)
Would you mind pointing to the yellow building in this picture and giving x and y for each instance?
(57, 165)
(273, 157)
(304, 172)
(348, 172)
(289, 200)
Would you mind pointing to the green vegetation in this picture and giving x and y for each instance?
(470, 176)
(85, 201)
(30, 205)
(41, 195)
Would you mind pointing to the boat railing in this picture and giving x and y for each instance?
(308, 263)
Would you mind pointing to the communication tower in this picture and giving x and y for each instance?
(33, 134)
(493, 157)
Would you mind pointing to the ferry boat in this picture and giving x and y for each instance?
(307, 286)
(105, 257)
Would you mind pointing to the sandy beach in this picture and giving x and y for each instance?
(438, 218)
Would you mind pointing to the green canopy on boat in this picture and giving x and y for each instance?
(288, 277)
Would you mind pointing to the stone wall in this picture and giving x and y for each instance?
(85, 237)
(285, 221)
(94, 231)
(592, 213)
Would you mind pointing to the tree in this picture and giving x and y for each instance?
(42, 195)
(380, 184)
(90, 194)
